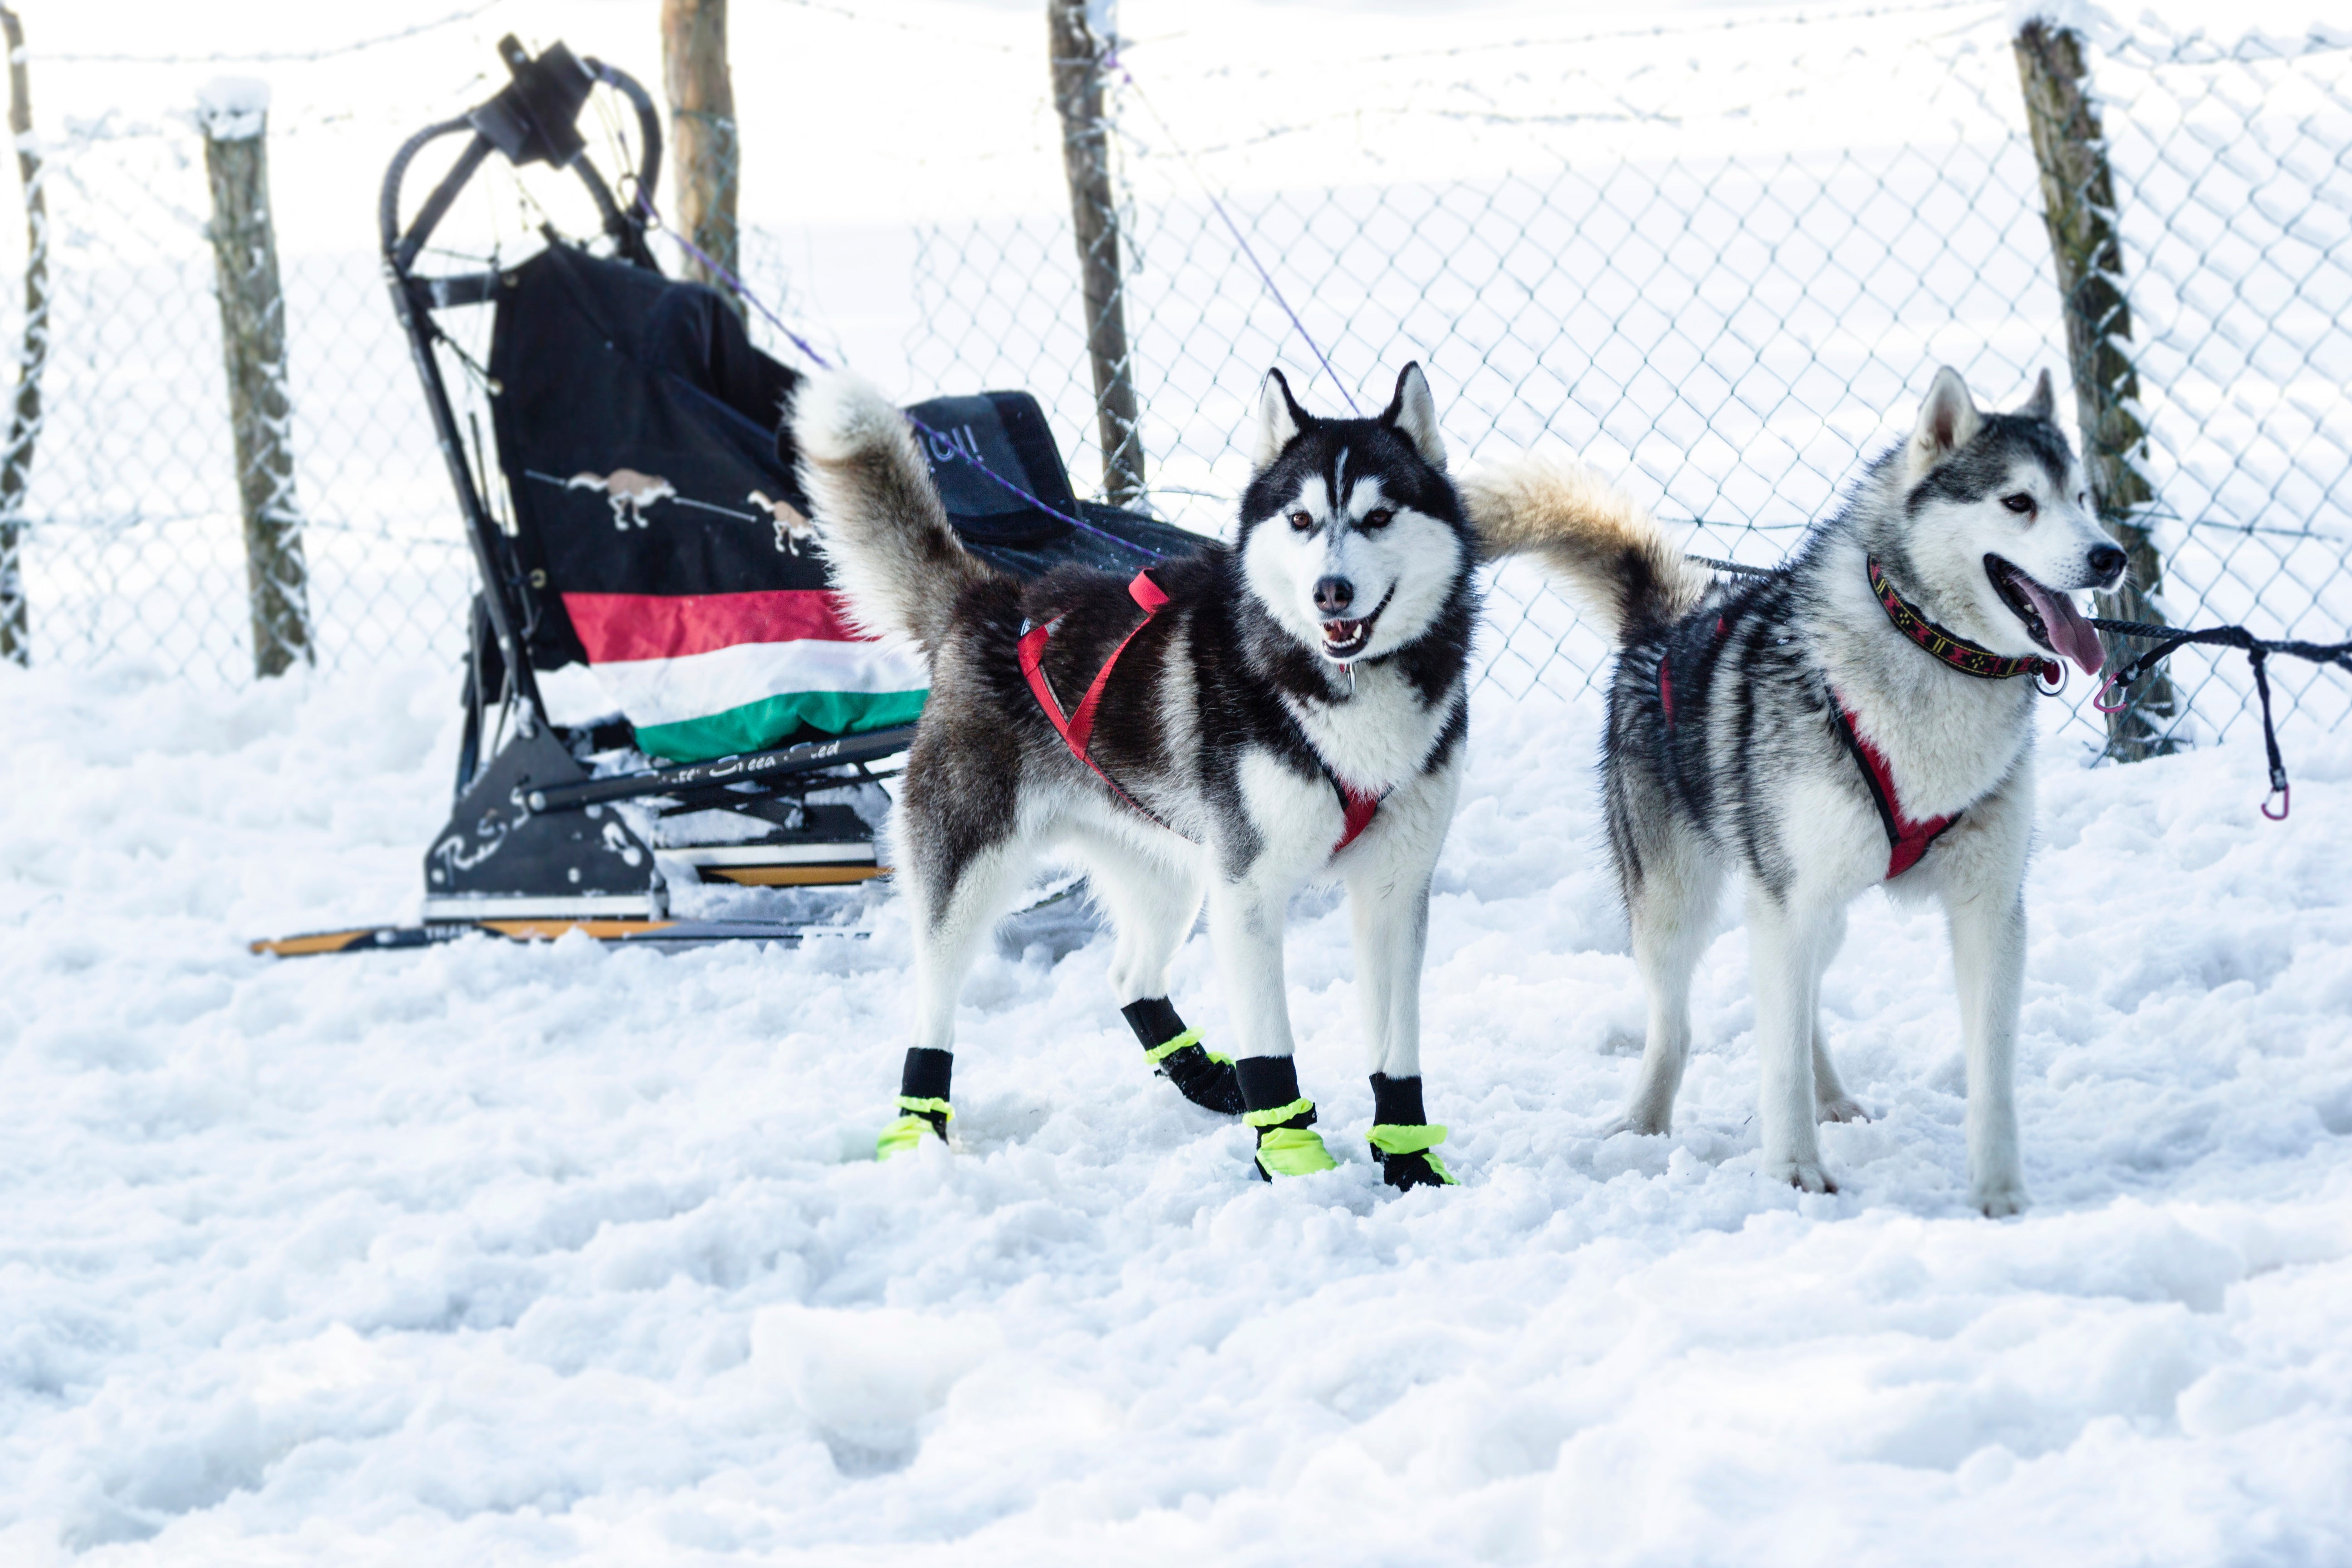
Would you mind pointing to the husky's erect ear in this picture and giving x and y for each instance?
(1948, 421)
(1414, 412)
(2044, 404)
(1279, 420)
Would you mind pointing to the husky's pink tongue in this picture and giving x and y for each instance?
(2069, 632)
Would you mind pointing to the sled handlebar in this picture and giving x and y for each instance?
(532, 120)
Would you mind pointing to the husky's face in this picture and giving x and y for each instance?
(1998, 522)
(1351, 534)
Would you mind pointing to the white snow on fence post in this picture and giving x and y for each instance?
(233, 108)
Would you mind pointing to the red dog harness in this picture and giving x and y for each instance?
(1906, 840)
(1078, 727)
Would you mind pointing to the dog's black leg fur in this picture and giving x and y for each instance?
(1177, 1054)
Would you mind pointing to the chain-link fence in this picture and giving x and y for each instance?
(1720, 260)
(134, 547)
(2233, 169)
(1716, 258)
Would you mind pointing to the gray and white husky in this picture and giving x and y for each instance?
(1864, 715)
(1235, 723)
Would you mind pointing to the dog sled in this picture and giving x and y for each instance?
(637, 532)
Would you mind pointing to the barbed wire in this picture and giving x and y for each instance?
(868, 19)
(1679, 26)
(272, 57)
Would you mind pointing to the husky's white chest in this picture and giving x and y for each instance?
(1947, 747)
(1381, 736)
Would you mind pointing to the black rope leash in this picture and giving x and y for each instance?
(2169, 640)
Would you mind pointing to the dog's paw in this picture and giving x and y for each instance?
(1408, 1156)
(2001, 1199)
(1805, 1176)
(1208, 1081)
(1640, 1123)
(1291, 1151)
(1406, 1172)
(1845, 1107)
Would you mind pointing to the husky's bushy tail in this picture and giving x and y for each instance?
(1614, 562)
(894, 555)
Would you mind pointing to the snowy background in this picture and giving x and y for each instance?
(520, 1255)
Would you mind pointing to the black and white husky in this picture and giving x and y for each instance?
(1864, 715)
(1237, 724)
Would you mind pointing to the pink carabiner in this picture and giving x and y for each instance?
(2098, 697)
(2286, 804)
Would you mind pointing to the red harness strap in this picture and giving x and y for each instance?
(1906, 840)
(1357, 809)
(1078, 727)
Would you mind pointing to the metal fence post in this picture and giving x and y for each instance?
(235, 116)
(704, 149)
(32, 357)
(1077, 51)
(2078, 193)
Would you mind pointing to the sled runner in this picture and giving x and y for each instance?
(639, 531)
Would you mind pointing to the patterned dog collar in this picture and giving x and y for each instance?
(1962, 655)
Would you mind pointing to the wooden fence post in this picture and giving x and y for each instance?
(705, 152)
(1077, 54)
(32, 357)
(235, 115)
(2078, 193)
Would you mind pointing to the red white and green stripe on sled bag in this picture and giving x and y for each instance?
(706, 675)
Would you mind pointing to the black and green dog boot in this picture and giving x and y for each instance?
(922, 1100)
(1402, 1139)
(1199, 1074)
(1285, 1119)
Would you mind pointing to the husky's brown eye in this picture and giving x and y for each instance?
(1379, 517)
(1301, 522)
(2019, 503)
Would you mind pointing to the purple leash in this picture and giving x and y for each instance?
(710, 264)
(1111, 62)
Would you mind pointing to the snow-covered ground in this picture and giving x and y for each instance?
(491, 1255)
(501, 1255)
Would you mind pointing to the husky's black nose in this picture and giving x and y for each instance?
(2107, 564)
(1334, 594)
